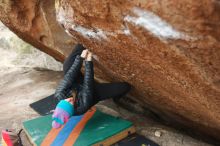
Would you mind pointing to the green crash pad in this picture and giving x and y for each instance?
(98, 128)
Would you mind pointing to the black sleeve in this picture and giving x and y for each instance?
(85, 99)
(71, 58)
(64, 88)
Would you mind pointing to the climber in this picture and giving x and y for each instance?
(87, 91)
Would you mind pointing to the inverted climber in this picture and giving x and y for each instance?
(77, 93)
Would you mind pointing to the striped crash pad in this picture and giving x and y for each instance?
(92, 128)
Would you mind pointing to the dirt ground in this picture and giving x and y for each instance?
(21, 86)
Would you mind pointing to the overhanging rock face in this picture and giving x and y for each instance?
(168, 50)
(35, 22)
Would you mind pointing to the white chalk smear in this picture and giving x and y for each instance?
(67, 20)
(96, 33)
(125, 31)
(154, 24)
(143, 18)
(62, 17)
(89, 33)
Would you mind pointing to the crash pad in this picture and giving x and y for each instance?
(136, 140)
(92, 128)
(44, 106)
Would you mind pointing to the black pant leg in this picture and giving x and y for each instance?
(67, 84)
(116, 90)
(85, 97)
(70, 59)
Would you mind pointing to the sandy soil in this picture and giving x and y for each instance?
(21, 86)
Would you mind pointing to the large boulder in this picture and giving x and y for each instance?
(169, 50)
(35, 22)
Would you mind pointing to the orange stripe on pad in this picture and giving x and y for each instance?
(51, 136)
(79, 127)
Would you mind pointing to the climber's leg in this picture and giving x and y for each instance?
(70, 59)
(111, 90)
